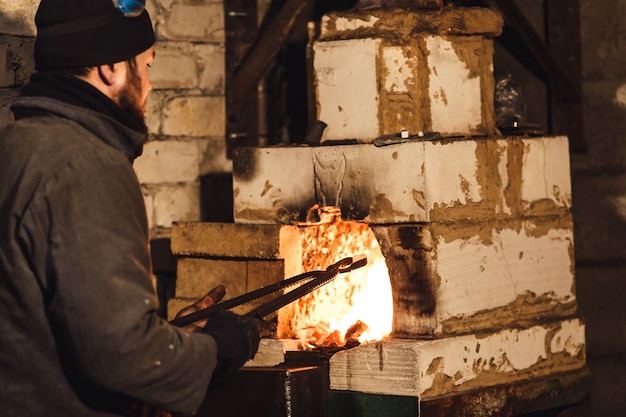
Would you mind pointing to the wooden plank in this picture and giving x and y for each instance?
(247, 64)
(263, 52)
(242, 117)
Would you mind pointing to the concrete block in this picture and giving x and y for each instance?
(176, 203)
(169, 161)
(428, 368)
(194, 116)
(238, 241)
(210, 58)
(416, 181)
(174, 305)
(156, 102)
(18, 17)
(263, 273)
(175, 67)
(197, 276)
(193, 22)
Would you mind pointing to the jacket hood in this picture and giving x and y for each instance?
(110, 131)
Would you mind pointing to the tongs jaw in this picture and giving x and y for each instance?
(314, 280)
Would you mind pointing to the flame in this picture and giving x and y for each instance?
(356, 306)
(371, 306)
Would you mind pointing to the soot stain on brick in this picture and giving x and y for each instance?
(244, 164)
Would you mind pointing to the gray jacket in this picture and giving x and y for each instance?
(79, 333)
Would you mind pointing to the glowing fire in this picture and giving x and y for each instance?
(356, 305)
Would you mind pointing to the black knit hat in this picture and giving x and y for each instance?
(75, 33)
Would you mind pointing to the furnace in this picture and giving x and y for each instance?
(474, 231)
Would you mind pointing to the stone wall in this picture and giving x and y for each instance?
(599, 203)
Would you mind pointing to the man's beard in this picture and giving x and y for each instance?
(129, 100)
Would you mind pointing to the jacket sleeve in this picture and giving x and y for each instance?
(102, 299)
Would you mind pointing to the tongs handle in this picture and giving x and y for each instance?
(316, 280)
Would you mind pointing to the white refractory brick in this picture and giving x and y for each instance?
(402, 70)
(458, 277)
(548, 161)
(475, 276)
(194, 22)
(420, 367)
(194, 116)
(454, 92)
(346, 85)
(399, 77)
(416, 181)
(176, 203)
(169, 161)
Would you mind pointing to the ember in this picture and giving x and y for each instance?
(355, 307)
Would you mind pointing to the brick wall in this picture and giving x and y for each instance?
(599, 203)
(185, 109)
(16, 51)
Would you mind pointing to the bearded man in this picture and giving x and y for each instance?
(79, 332)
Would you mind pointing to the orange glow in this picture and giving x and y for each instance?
(355, 306)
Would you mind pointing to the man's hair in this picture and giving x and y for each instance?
(82, 71)
(76, 71)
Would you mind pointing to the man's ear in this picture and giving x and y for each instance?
(107, 73)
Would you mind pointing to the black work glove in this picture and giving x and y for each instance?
(237, 339)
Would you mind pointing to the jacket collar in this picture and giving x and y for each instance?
(110, 131)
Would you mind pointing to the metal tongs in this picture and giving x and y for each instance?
(315, 279)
